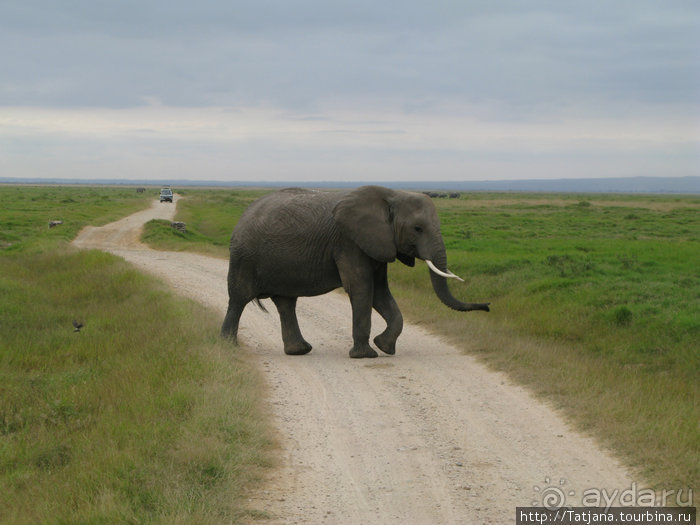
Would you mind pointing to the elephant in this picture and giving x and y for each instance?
(298, 242)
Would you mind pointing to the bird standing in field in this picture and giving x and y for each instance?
(77, 326)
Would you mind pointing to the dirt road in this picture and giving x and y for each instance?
(428, 436)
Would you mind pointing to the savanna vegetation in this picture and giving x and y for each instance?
(144, 415)
(595, 306)
(209, 215)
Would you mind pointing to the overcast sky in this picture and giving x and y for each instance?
(327, 90)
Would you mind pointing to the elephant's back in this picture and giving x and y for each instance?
(286, 213)
(298, 204)
(283, 244)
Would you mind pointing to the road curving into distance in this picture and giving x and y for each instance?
(426, 436)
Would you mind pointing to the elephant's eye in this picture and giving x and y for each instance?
(418, 229)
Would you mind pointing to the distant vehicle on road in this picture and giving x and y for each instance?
(166, 195)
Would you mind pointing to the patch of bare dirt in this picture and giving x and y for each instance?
(426, 436)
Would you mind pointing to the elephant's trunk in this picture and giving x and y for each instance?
(438, 276)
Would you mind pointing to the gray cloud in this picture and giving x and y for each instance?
(290, 53)
(511, 62)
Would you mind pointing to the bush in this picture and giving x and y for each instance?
(622, 316)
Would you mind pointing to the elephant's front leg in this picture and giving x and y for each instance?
(385, 304)
(357, 275)
(360, 294)
(294, 343)
(361, 325)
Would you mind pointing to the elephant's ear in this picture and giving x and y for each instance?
(364, 215)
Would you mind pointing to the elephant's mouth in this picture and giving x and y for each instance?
(408, 260)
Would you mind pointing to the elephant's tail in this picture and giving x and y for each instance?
(260, 305)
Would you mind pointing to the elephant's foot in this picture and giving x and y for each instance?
(228, 336)
(300, 348)
(360, 351)
(386, 343)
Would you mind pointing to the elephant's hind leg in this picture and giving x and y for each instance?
(229, 329)
(294, 343)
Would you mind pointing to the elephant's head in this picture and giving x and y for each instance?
(389, 225)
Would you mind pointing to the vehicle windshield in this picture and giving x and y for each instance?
(166, 192)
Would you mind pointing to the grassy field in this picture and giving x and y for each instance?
(209, 215)
(142, 416)
(595, 306)
(27, 210)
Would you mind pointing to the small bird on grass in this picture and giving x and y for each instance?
(77, 326)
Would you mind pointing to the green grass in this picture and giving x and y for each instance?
(620, 280)
(26, 211)
(142, 416)
(209, 216)
(595, 305)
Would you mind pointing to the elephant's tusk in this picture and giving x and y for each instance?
(448, 275)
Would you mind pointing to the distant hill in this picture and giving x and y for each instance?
(685, 185)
